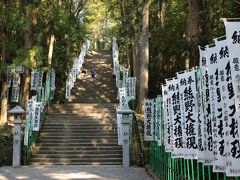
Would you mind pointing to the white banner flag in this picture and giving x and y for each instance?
(148, 120)
(119, 125)
(187, 91)
(155, 123)
(200, 95)
(40, 79)
(37, 116)
(125, 76)
(208, 139)
(15, 88)
(67, 91)
(159, 120)
(216, 106)
(15, 80)
(9, 76)
(28, 124)
(166, 123)
(53, 76)
(118, 84)
(177, 119)
(15, 94)
(233, 41)
(233, 88)
(122, 99)
(130, 88)
(170, 85)
(34, 80)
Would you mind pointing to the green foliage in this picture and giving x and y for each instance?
(168, 44)
(27, 57)
(71, 22)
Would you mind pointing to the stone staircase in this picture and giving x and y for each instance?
(83, 131)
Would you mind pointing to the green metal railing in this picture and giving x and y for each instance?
(168, 168)
(44, 96)
(136, 125)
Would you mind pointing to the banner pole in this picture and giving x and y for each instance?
(173, 169)
(203, 171)
(198, 174)
(209, 172)
(217, 174)
(185, 168)
(181, 168)
(188, 169)
(192, 169)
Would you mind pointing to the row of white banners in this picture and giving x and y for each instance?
(13, 82)
(37, 104)
(75, 70)
(126, 92)
(198, 114)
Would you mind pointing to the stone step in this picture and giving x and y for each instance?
(85, 106)
(77, 156)
(82, 152)
(77, 145)
(79, 159)
(81, 118)
(81, 111)
(80, 127)
(86, 116)
(41, 163)
(67, 136)
(78, 133)
(80, 122)
(82, 134)
(77, 129)
(78, 148)
(80, 141)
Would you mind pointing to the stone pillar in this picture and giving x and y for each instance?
(126, 137)
(126, 122)
(17, 112)
(17, 142)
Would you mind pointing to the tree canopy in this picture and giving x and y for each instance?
(174, 30)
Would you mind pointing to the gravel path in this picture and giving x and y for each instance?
(73, 172)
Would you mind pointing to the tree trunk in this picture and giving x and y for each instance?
(25, 83)
(50, 51)
(144, 55)
(4, 103)
(136, 64)
(68, 43)
(28, 28)
(194, 28)
(163, 9)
